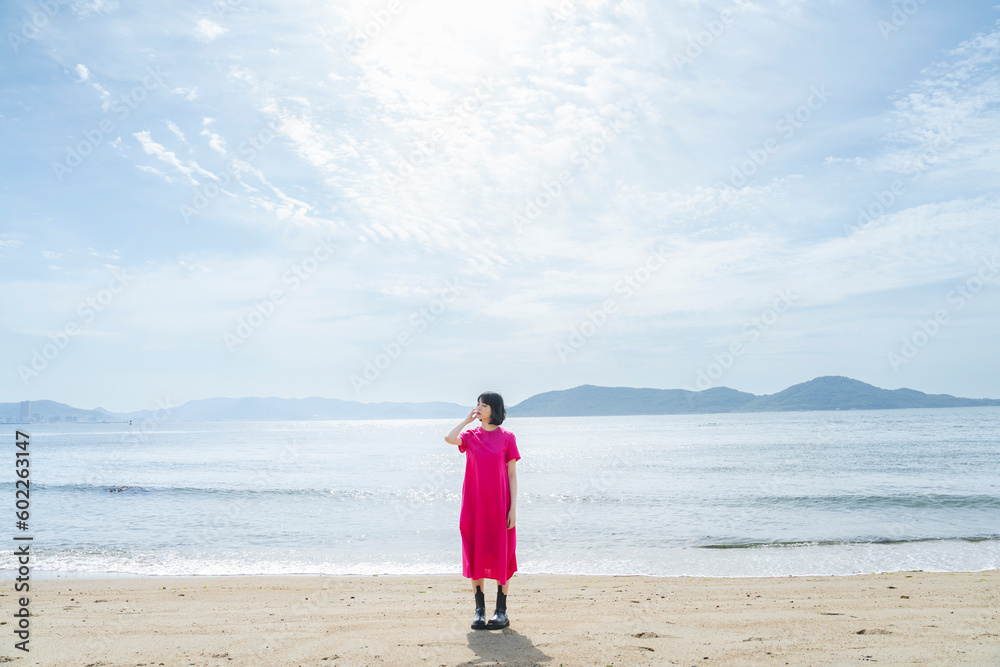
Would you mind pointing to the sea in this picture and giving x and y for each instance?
(719, 495)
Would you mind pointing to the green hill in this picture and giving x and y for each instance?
(823, 393)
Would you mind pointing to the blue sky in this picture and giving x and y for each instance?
(418, 200)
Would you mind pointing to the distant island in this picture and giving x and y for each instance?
(235, 409)
(824, 393)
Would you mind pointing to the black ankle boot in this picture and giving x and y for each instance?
(479, 620)
(499, 619)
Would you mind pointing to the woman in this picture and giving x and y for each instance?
(489, 503)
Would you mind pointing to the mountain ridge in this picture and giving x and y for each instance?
(830, 392)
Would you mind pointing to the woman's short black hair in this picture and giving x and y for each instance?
(495, 401)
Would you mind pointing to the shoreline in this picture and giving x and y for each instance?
(44, 575)
(899, 617)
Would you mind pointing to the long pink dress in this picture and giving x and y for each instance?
(487, 544)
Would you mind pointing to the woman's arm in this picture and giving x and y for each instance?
(512, 476)
(452, 438)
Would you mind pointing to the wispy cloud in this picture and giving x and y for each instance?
(216, 142)
(207, 31)
(88, 8)
(155, 171)
(188, 168)
(176, 130)
(950, 115)
(83, 72)
(189, 94)
(416, 140)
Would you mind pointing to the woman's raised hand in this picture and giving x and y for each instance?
(472, 416)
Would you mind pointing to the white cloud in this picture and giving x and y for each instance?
(154, 170)
(188, 169)
(84, 77)
(215, 141)
(104, 95)
(87, 8)
(951, 114)
(176, 130)
(150, 147)
(189, 94)
(856, 161)
(207, 30)
(312, 142)
(112, 254)
(465, 158)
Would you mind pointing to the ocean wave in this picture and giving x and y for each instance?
(406, 494)
(858, 541)
(426, 492)
(867, 501)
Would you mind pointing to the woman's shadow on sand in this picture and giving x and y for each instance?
(507, 647)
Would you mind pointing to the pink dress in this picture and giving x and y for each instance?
(487, 544)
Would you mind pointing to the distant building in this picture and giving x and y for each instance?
(25, 411)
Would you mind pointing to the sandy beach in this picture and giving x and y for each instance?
(897, 618)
